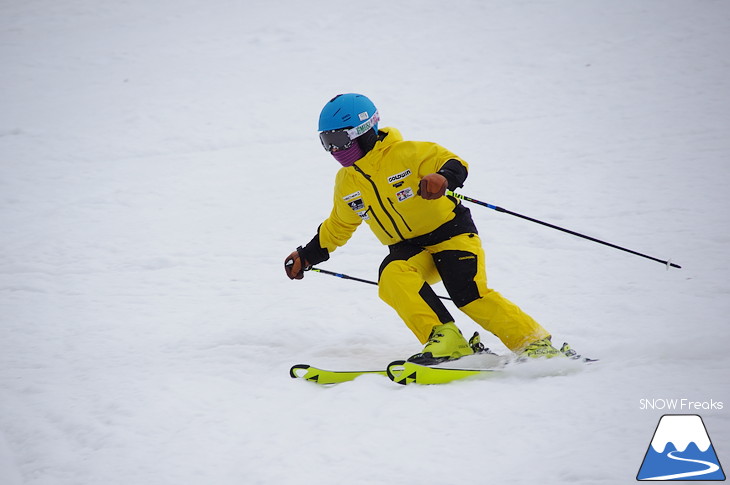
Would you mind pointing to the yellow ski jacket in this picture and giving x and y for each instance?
(381, 189)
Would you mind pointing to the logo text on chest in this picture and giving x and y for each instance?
(399, 176)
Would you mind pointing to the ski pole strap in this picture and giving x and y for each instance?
(553, 226)
(302, 258)
(348, 277)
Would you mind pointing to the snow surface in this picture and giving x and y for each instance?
(158, 161)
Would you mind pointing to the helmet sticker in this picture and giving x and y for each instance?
(363, 116)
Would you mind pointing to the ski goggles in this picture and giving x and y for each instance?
(343, 138)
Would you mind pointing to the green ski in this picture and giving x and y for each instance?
(404, 372)
(399, 371)
(321, 376)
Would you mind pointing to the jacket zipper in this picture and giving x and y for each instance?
(375, 216)
(399, 215)
(380, 201)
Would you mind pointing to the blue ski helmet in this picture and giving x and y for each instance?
(347, 111)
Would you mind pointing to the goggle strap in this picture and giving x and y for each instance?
(360, 129)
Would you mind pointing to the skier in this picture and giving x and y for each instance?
(398, 188)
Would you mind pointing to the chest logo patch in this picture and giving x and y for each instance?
(404, 194)
(399, 176)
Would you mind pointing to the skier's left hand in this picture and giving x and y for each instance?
(433, 186)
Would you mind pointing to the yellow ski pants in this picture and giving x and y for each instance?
(407, 273)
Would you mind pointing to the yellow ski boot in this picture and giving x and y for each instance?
(445, 343)
(541, 348)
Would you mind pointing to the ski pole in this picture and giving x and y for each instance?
(348, 277)
(505, 211)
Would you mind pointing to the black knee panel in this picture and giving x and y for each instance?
(458, 270)
(399, 252)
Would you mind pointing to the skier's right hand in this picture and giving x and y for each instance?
(294, 266)
(433, 186)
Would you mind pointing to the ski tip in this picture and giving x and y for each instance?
(293, 372)
(395, 370)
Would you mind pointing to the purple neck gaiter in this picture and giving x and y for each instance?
(348, 156)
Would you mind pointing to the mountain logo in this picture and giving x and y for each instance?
(681, 450)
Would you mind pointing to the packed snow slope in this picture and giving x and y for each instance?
(158, 161)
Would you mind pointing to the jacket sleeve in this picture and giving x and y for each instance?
(455, 173)
(313, 252)
(334, 232)
(433, 158)
(338, 228)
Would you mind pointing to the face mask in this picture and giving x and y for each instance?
(348, 156)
